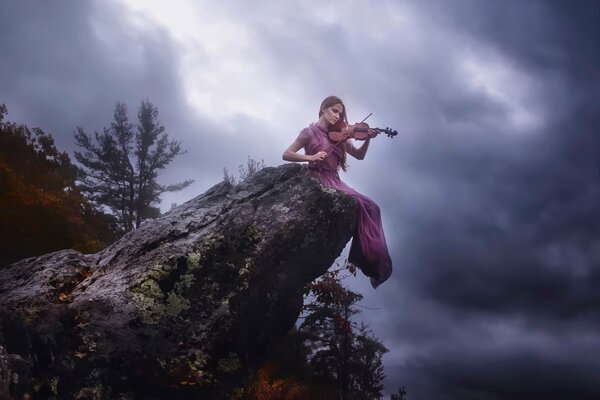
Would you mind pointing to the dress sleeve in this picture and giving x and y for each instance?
(303, 137)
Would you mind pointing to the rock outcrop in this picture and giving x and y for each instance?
(186, 307)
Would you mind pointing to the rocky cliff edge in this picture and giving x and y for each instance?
(185, 307)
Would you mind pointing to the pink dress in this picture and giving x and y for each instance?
(369, 249)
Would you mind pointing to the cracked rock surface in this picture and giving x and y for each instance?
(185, 307)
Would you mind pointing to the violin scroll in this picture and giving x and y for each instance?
(388, 131)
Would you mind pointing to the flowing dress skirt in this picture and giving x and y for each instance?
(368, 250)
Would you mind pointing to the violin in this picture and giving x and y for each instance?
(359, 131)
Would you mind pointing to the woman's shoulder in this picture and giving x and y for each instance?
(310, 127)
(310, 130)
(305, 135)
(315, 129)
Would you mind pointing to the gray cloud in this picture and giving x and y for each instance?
(69, 64)
(66, 65)
(501, 225)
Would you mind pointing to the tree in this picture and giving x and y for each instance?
(329, 356)
(341, 349)
(120, 167)
(401, 395)
(41, 208)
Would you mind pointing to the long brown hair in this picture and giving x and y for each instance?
(328, 102)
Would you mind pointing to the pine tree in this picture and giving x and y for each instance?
(329, 356)
(341, 349)
(120, 167)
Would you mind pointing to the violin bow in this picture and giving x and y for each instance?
(365, 118)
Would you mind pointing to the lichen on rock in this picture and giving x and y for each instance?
(152, 302)
(185, 307)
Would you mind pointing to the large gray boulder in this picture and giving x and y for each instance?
(186, 307)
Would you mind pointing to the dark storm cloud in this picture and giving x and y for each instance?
(66, 64)
(518, 210)
(518, 375)
(546, 36)
(509, 234)
(508, 229)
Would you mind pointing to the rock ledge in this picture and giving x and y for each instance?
(186, 307)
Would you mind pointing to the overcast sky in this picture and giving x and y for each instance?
(489, 193)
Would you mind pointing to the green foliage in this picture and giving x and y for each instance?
(120, 167)
(41, 208)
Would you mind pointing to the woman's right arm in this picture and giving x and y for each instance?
(291, 154)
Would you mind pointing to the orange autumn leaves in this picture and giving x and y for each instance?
(41, 209)
(266, 385)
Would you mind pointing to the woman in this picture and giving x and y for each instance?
(368, 250)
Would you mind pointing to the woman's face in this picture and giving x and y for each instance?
(332, 114)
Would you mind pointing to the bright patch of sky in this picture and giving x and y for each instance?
(228, 69)
(504, 84)
(219, 64)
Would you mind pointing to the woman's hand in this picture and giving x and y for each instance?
(320, 156)
(291, 154)
(372, 133)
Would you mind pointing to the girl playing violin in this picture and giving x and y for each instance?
(325, 157)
